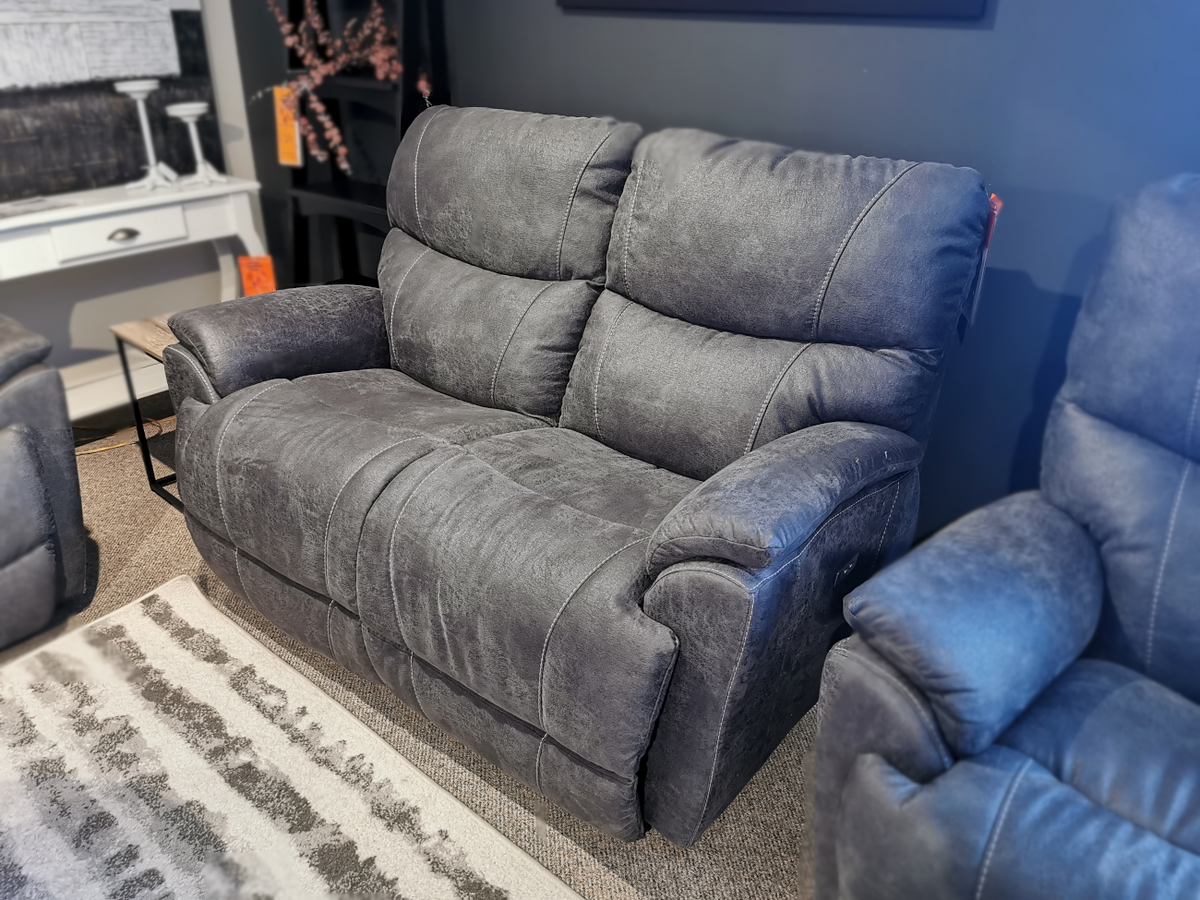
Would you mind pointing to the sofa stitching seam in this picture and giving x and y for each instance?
(554, 622)
(513, 334)
(412, 676)
(812, 537)
(537, 765)
(678, 569)
(886, 525)
(328, 628)
(221, 443)
(396, 526)
(600, 365)
(395, 300)
(341, 490)
(994, 838)
(1162, 562)
(762, 410)
(191, 361)
(629, 228)
(712, 775)
(923, 714)
(416, 162)
(841, 250)
(571, 203)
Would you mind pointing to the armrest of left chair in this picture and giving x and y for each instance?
(768, 503)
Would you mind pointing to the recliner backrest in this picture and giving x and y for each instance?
(501, 225)
(1122, 446)
(755, 290)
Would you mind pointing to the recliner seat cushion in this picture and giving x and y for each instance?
(287, 470)
(1123, 741)
(515, 566)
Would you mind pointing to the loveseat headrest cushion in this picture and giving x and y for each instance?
(516, 193)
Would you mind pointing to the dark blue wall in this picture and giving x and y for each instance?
(1061, 104)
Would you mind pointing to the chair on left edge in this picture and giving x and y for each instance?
(42, 539)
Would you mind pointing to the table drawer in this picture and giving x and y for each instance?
(110, 234)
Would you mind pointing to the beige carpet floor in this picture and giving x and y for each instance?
(756, 849)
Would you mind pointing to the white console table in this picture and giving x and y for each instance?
(110, 223)
(77, 229)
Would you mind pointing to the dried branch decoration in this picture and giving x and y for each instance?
(369, 43)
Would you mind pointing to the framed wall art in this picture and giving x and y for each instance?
(933, 9)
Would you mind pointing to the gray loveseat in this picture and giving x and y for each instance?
(585, 480)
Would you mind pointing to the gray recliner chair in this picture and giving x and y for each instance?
(585, 479)
(43, 556)
(1018, 715)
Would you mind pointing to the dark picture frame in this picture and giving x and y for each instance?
(929, 9)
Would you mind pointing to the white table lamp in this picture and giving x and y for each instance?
(189, 113)
(158, 174)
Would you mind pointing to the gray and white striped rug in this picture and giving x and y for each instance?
(163, 752)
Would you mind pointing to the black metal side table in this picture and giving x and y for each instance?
(151, 336)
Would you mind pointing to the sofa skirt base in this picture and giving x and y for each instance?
(603, 799)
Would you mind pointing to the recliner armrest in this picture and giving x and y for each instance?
(985, 614)
(286, 334)
(20, 348)
(772, 500)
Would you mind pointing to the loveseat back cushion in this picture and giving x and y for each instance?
(502, 226)
(754, 290)
(1122, 447)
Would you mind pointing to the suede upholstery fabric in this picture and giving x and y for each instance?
(547, 578)
(1048, 642)
(983, 618)
(766, 505)
(302, 331)
(27, 552)
(39, 464)
(514, 193)
(1133, 386)
(755, 290)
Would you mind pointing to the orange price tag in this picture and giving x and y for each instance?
(258, 275)
(287, 130)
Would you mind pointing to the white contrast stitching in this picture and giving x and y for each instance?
(629, 228)
(570, 205)
(392, 540)
(557, 616)
(329, 518)
(328, 622)
(496, 371)
(221, 443)
(883, 534)
(395, 300)
(600, 364)
(1162, 563)
(762, 411)
(416, 158)
(837, 257)
(537, 765)
(995, 838)
(191, 361)
(712, 775)
(928, 722)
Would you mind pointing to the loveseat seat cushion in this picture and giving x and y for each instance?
(287, 470)
(1123, 741)
(515, 566)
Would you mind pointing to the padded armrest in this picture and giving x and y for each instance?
(20, 348)
(985, 614)
(27, 520)
(302, 331)
(773, 499)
